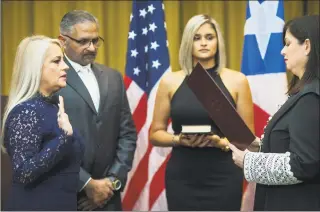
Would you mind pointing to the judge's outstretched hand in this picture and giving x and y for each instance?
(238, 155)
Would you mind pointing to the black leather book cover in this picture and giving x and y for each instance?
(219, 108)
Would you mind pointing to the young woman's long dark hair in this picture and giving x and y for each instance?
(302, 28)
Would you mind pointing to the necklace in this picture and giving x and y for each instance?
(52, 99)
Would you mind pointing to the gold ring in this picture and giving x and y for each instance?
(226, 149)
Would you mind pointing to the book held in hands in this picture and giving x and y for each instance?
(196, 129)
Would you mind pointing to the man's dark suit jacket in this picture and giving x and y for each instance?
(109, 134)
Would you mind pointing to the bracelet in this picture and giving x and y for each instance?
(260, 146)
(174, 143)
(255, 146)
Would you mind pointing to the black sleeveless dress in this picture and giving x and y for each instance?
(200, 178)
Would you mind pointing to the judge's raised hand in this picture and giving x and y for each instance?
(63, 119)
(238, 155)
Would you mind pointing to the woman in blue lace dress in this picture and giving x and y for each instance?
(44, 149)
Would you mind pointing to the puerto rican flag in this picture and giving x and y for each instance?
(264, 66)
(147, 62)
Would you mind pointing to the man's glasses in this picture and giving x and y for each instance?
(86, 42)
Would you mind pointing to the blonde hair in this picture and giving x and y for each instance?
(27, 71)
(185, 52)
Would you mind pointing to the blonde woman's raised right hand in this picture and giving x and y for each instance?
(63, 119)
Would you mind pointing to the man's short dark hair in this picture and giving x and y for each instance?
(74, 17)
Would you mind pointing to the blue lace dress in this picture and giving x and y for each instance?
(45, 161)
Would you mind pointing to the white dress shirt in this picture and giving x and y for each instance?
(89, 79)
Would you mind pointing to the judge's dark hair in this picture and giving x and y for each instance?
(302, 28)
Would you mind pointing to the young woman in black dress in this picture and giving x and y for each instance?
(200, 175)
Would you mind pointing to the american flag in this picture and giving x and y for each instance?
(264, 66)
(147, 62)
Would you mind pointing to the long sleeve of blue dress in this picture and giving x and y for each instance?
(30, 155)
